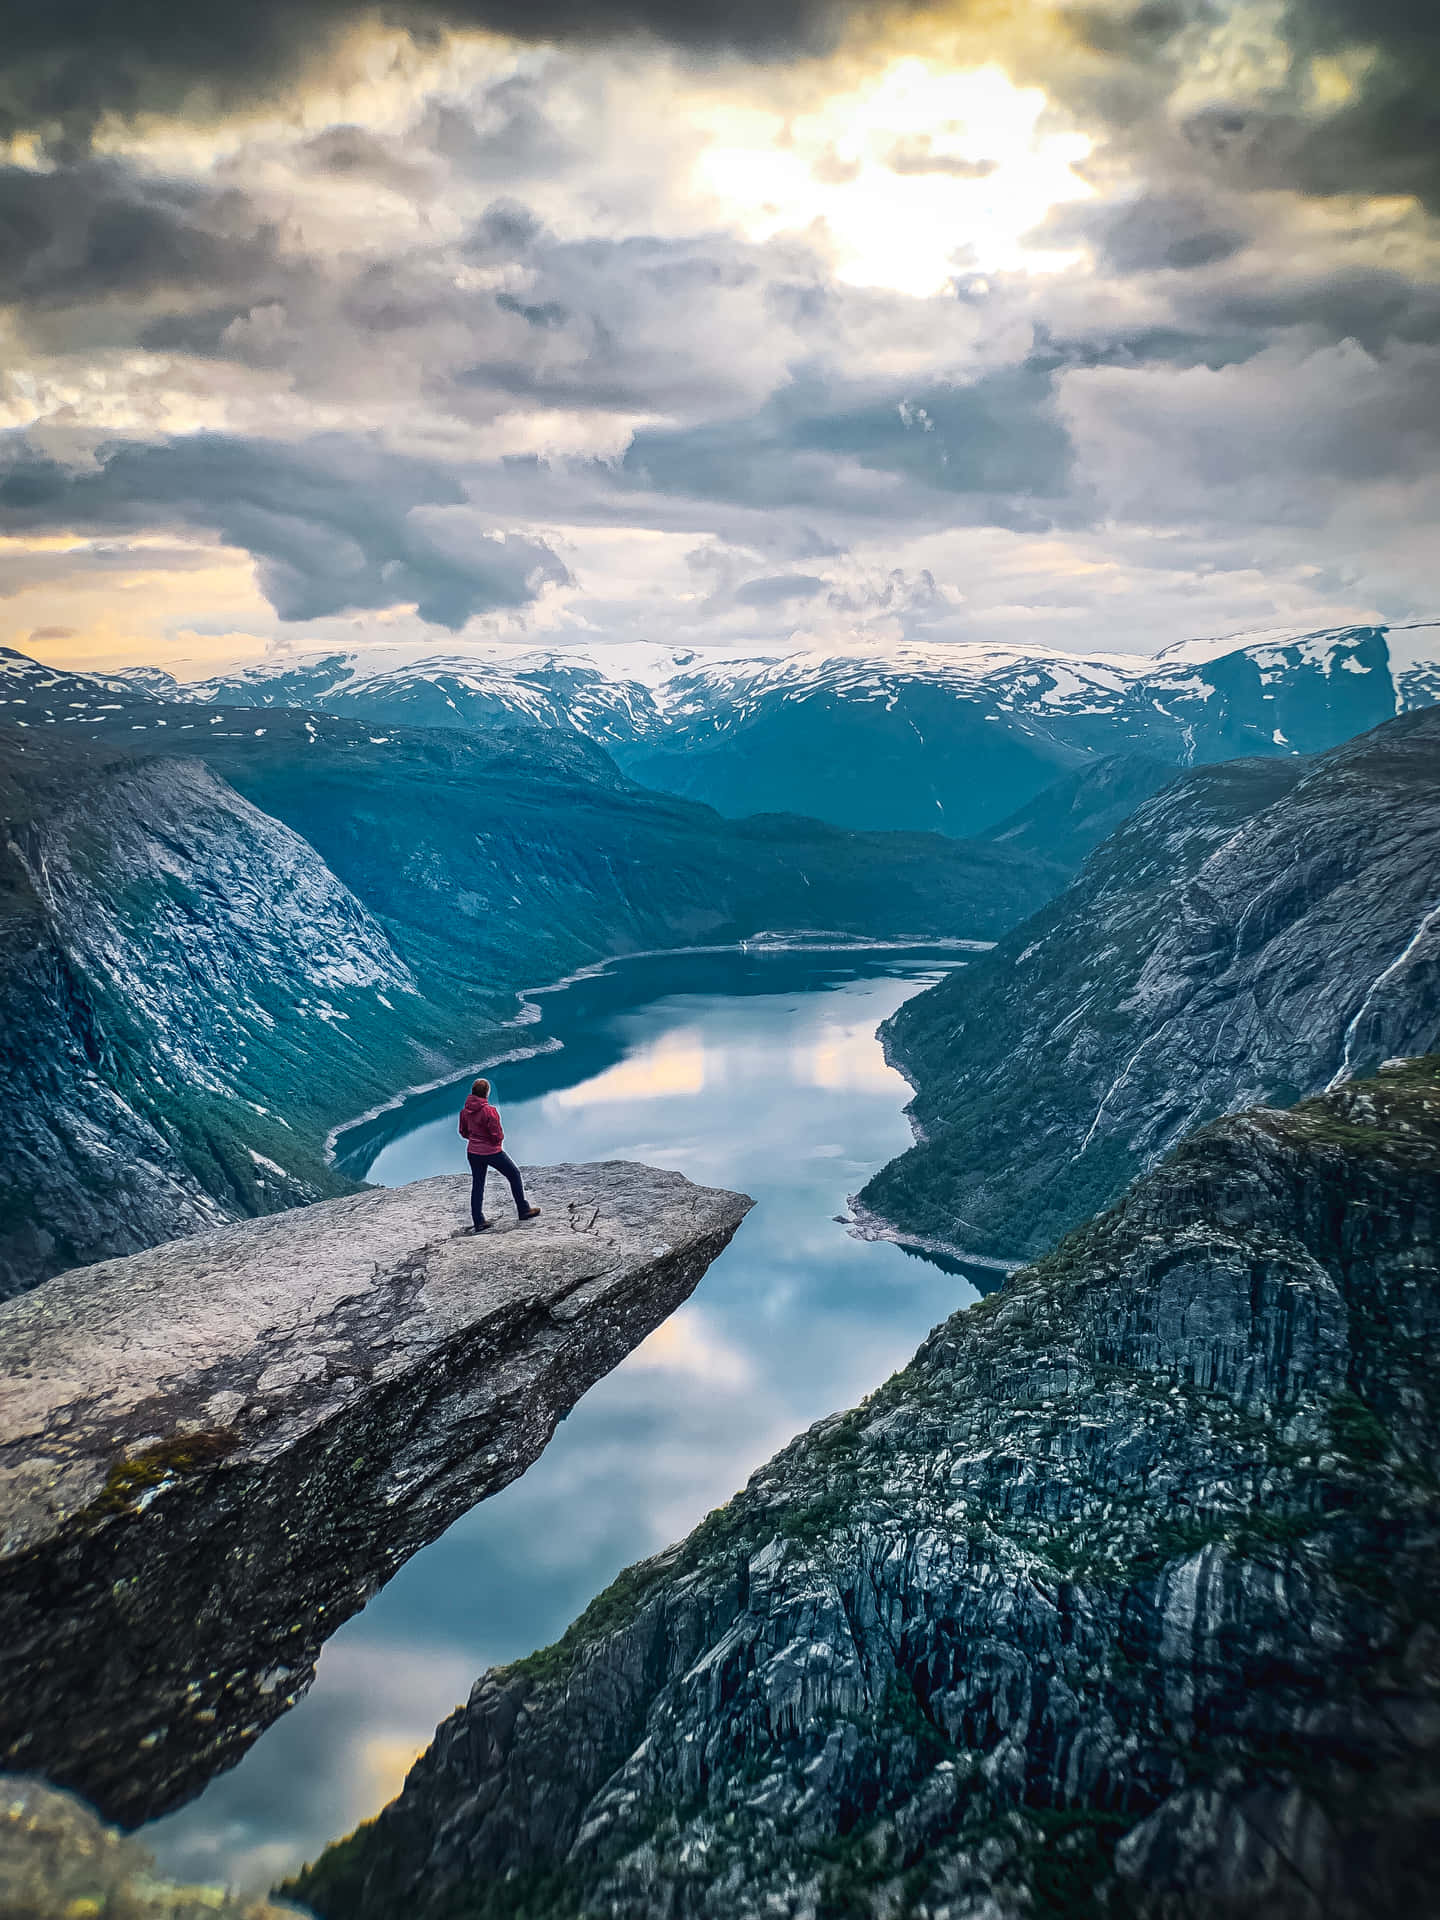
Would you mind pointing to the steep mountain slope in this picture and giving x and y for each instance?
(1070, 818)
(496, 861)
(1120, 1598)
(950, 737)
(199, 970)
(177, 970)
(1253, 932)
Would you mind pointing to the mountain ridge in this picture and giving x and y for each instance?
(951, 737)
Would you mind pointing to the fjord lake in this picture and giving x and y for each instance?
(756, 1069)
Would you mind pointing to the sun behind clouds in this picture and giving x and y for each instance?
(908, 179)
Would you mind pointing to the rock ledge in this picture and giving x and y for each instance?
(214, 1452)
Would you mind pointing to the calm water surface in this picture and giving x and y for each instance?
(754, 1071)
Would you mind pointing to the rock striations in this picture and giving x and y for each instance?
(173, 964)
(1254, 932)
(1121, 1598)
(214, 1452)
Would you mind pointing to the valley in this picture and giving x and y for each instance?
(986, 1638)
(758, 1072)
(223, 940)
(1032, 1627)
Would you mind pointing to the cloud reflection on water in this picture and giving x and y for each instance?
(675, 1064)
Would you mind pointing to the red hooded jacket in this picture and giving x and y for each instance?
(480, 1124)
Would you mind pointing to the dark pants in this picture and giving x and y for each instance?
(480, 1165)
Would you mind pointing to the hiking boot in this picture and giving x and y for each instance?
(530, 1213)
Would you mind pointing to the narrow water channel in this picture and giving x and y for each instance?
(759, 1071)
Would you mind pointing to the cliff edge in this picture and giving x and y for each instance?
(213, 1452)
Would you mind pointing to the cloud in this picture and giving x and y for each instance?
(336, 527)
(996, 439)
(1166, 230)
(96, 230)
(1282, 440)
(1327, 97)
(69, 64)
(499, 312)
(916, 155)
(777, 589)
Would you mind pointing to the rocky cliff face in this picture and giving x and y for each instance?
(1120, 1599)
(1254, 932)
(182, 982)
(211, 1454)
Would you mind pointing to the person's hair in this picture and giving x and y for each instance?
(482, 1087)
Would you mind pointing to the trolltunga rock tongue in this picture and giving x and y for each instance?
(214, 1452)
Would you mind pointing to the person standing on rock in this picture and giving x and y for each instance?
(484, 1143)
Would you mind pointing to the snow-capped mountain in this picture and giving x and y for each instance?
(951, 737)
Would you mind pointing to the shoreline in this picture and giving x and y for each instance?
(865, 1224)
(529, 1013)
(428, 1086)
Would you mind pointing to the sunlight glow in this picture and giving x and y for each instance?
(910, 179)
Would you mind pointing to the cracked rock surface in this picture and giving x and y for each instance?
(214, 1452)
(1123, 1598)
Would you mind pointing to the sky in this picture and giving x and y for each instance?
(756, 325)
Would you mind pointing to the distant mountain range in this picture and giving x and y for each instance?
(948, 738)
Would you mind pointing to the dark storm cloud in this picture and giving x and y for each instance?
(1166, 230)
(95, 230)
(997, 440)
(333, 528)
(1387, 138)
(1383, 139)
(68, 63)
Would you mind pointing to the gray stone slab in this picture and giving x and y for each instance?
(214, 1452)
